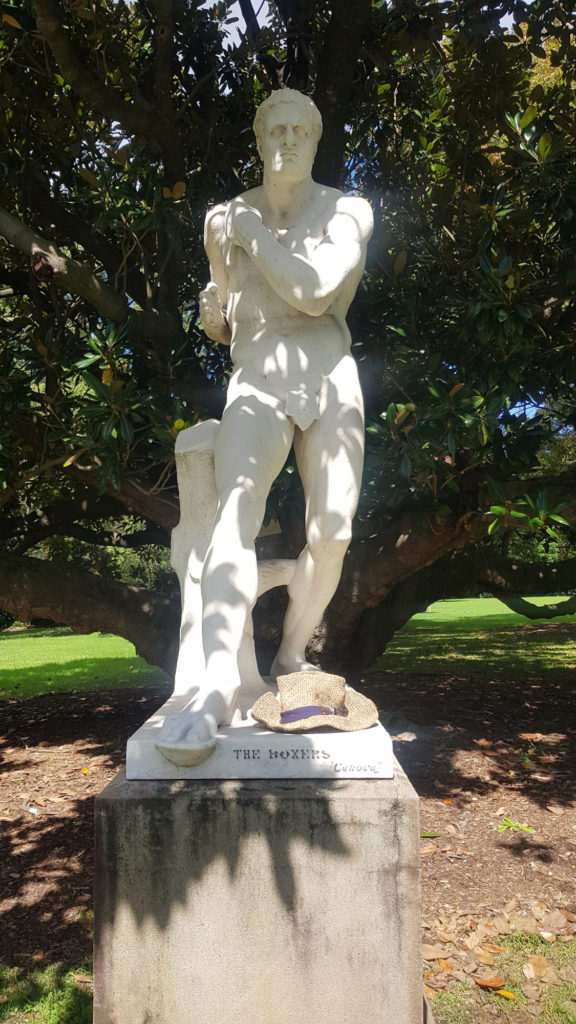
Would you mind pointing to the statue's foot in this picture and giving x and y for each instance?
(188, 737)
(283, 666)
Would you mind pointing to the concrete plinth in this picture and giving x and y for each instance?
(258, 902)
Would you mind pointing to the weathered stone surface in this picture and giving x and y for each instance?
(251, 902)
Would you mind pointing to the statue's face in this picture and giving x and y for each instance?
(288, 146)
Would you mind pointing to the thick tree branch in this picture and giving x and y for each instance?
(63, 518)
(110, 256)
(363, 636)
(342, 42)
(33, 589)
(537, 611)
(508, 579)
(298, 65)
(54, 518)
(137, 117)
(173, 156)
(116, 539)
(249, 15)
(48, 264)
(134, 497)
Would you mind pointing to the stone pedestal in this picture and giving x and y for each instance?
(266, 901)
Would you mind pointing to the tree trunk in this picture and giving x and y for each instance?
(34, 589)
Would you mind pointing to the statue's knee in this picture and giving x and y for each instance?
(327, 547)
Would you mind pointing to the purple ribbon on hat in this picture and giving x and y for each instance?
(297, 714)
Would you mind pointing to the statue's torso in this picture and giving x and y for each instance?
(272, 340)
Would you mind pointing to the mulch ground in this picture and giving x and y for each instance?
(476, 752)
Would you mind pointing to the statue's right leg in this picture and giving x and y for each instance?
(253, 442)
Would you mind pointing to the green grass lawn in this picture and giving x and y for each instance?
(464, 637)
(55, 660)
(480, 636)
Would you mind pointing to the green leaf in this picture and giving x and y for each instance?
(126, 429)
(527, 117)
(544, 145)
(87, 361)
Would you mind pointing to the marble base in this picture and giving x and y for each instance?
(249, 751)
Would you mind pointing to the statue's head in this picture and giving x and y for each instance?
(288, 127)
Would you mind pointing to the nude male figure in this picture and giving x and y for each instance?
(285, 261)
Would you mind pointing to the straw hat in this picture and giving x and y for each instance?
(308, 700)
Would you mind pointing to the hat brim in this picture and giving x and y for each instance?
(362, 713)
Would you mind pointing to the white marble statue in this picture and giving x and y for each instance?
(285, 261)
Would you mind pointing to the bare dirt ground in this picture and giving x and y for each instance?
(477, 752)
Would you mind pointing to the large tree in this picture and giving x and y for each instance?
(121, 123)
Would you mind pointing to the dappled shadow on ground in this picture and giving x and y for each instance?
(474, 751)
(479, 734)
(56, 753)
(482, 752)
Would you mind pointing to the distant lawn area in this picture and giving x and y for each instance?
(36, 661)
(480, 636)
(477, 636)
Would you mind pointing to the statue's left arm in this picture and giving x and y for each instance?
(307, 283)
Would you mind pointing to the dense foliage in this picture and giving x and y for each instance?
(121, 123)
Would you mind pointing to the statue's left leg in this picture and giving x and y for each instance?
(330, 457)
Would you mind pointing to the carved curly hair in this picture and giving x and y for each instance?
(308, 107)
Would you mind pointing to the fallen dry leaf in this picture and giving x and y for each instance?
(502, 925)
(445, 965)
(496, 982)
(555, 809)
(549, 936)
(532, 991)
(490, 948)
(530, 736)
(539, 965)
(429, 992)
(503, 992)
(473, 940)
(486, 959)
(525, 923)
(430, 848)
(432, 952)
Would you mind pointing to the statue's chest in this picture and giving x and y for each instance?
(301, 238)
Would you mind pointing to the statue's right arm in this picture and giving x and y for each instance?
(214, 298)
